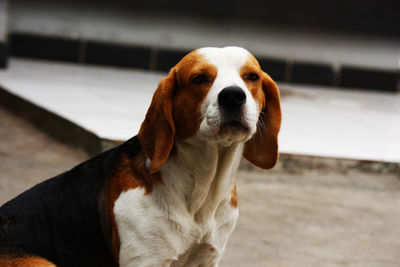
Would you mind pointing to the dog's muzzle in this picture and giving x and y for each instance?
(232, 98)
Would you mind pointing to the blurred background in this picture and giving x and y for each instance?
(76, 78)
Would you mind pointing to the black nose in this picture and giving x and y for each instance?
(232, 97)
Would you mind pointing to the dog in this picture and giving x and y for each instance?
(166, 197)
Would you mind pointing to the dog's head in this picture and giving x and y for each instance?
(219, 95)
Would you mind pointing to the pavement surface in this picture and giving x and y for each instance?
(112, 102)
(320, 218)
(28, 156)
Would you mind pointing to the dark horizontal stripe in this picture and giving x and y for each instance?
(369, 78)
(3, 55)
(134, 56)
(276, 68)
(312, 73)
(44, 47)
(117, 55)
(167, 58)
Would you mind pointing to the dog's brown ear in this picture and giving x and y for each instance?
(262, 149)
(157, 132)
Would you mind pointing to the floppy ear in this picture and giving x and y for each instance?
(262, 149)
(157, 132)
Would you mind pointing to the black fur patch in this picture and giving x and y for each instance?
(64, 219)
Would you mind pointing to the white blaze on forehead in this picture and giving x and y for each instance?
(230, 56)
(228, 61)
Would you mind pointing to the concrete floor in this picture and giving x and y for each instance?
(27, 156)
(287, 223)
(307, 219)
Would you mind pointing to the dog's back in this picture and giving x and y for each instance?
(64, 219)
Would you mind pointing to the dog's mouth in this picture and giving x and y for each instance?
(233, 127)
(226, 128)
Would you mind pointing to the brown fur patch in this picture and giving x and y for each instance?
(175, 108)
(234, 199)
(157, 131)
(129, 174)
(25, 261)
(189, 96)
(262, 149)
(255, 87)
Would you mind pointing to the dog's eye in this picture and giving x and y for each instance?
(252, 77)
(201, 79)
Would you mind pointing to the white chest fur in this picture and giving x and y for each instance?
(186, 220)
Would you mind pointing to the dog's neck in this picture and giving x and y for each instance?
(202, 175)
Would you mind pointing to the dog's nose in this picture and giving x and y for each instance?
(232, 97)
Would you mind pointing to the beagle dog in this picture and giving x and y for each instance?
(166, 197)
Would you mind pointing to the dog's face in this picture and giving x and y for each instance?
(220, 95)
(230, 111)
